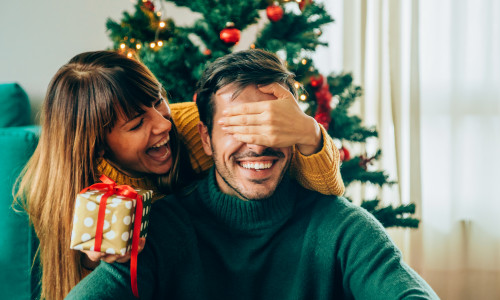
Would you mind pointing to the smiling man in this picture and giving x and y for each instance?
(248, 230)
(248, 171)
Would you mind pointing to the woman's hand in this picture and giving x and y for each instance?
(92, 259)
(274, 123)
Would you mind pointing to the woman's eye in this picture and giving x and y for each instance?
(138, 125)
(159, 102)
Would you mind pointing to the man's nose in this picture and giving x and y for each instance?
(259, 149)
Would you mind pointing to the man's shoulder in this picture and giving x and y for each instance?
(331, 208)
(306, 196)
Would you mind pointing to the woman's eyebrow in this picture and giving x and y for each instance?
(132, 119)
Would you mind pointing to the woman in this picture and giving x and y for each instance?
(106, 114)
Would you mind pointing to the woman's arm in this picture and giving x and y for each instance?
(315, 164)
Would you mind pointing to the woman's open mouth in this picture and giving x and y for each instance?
(160, 151)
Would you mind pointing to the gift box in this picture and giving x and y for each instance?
(116, 230)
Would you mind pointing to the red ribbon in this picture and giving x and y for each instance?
(126, 191)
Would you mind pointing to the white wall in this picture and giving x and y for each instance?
(38, 37)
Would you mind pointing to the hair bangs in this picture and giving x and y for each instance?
(131, 92)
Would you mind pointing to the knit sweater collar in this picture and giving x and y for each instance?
(253, 215)
(145, 183)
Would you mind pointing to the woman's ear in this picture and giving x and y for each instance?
(205, 138)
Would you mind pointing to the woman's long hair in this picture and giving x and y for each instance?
(83, 101)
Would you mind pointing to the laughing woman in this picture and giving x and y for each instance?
(106, 114)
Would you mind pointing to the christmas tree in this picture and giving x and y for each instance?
(177, 55)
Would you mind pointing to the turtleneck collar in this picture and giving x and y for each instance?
(104, 167)
(253, 215)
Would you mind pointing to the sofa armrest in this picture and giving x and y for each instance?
(18, 242)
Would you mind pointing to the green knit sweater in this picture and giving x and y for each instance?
(298, 244)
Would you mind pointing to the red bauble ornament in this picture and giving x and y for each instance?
(323, 118)
(316, 81)
(149, 5)
(230, 35)
(274, 12)
(344, 154)
(207, 52)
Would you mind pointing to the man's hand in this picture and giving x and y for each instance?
(274, 123)
(92, 258)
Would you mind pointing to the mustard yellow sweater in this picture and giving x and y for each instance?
(319, 172)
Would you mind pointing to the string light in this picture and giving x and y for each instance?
(252, 46)
(297, 84)
(152, 45)
(160, 43)
(129, 54)
(158, 13)
(138, 46)
(303, 97)
(162, 24)
(122, 46)
(304, 61)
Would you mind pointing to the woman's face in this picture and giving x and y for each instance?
(142, 144)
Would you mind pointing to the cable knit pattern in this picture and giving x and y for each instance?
(186, 119)
(319, 172)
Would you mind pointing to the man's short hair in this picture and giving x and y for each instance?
(241, 68)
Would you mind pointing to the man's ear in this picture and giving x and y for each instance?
(205, 138)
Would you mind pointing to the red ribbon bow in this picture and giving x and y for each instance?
(126, 191)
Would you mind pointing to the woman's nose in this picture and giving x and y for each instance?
(161, 124)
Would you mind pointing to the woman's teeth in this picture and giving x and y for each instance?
(161, 143)
(256, 165)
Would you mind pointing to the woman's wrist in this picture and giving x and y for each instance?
(312, 138)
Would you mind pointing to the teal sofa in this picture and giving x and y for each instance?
(19, 273)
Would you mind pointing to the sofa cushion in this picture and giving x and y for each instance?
(18, 242)
(14, 105)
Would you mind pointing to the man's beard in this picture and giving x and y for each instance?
(220, 168)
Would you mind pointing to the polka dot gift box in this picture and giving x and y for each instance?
(111, 218)
(117, 217)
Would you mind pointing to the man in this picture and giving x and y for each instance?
(248, 231)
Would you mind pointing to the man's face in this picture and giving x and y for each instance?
(247, 171)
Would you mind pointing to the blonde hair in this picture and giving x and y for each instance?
(82, 102)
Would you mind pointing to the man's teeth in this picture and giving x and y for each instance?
(161, 143)
(256, 166)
